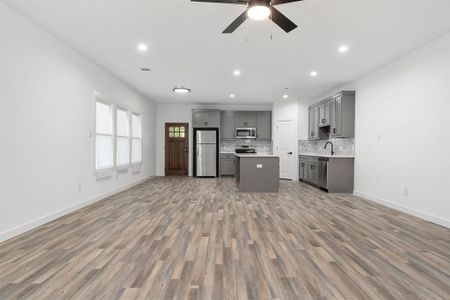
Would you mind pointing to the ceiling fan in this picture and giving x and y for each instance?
(258, 10)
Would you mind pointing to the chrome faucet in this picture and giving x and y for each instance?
(332, 147)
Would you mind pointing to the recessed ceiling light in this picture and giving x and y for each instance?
(232, 96)
(236, 73)
(343, 48)
(142, 47)
(285, 96)
(313, 73)
(258, 12)
(181, 90)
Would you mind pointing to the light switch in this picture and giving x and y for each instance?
(259, 166)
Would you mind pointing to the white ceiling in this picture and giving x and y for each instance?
(186, 46)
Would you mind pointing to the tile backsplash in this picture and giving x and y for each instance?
(260, 146)
(342, 146)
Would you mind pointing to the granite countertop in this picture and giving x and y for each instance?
(324, 155)
(255, 155)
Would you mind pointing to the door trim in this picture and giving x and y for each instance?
(166, 149)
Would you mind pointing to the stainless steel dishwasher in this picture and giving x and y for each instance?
(323, 172)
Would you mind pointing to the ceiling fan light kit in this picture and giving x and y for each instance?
(258, 10)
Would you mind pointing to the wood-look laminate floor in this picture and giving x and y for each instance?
(186, 238)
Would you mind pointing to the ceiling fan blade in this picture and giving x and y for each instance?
(282, 21)
(236, 23)
(278, 2)
(245, 2)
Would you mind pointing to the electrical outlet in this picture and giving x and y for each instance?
(259, 166)
(406, 192)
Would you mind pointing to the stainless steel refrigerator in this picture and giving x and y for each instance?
(206, 152)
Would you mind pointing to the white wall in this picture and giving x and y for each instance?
(46, 115)
(403, 133)
(182, 113)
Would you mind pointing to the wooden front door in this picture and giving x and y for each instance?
(177, 148)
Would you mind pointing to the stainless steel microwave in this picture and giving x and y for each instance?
(246, 133)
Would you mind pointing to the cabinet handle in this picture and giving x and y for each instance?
(290, 153)
(334, 130)
(312, 133)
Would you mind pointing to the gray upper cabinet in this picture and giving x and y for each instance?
(264, 125)
(314, 123)
(205, 118)
(324, 114)
(245, 120)
(342, 110)
(227, 125)
(333, 117)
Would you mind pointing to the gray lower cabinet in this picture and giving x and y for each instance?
(264, 125)
(336, 173)
(227, 125)
(227, 164)
(205, 118)
(245, 120)
(309, 169)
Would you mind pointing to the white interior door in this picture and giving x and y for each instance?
(286, 148)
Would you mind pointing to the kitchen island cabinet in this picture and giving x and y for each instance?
(258, 173)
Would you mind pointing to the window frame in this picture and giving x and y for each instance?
(108, 172)
(104, 172)
(124, 167)
(136, 165)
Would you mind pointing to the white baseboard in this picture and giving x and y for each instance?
(404, 209)
(45, 219)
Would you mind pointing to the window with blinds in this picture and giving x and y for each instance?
(122, 139)
(104, 137)
(136, 142)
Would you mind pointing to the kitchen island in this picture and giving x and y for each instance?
(258, 173)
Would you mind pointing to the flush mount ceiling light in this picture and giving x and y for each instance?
(285, 96)
(142, 47)
(232, 96)
(313, 73)
(343, 49)
(181, 90)
(258, 12)
(236, 73)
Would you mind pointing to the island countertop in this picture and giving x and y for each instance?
(327, 156)
(255, 155)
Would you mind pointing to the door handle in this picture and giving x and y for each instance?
(290, 153)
